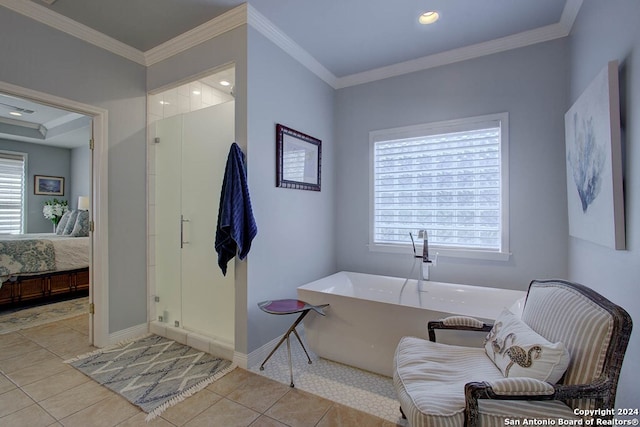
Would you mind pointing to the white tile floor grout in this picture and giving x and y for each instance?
(358, 389)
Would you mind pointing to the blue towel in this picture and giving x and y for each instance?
(236, 224)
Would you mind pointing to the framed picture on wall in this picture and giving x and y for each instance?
(48, 185)
(594, 162)
(298, 159)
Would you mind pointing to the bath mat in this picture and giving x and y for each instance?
(16, 319)
(152, 372)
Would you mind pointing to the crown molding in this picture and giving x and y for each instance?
(73, 28)
(210, 29)
(526, 38)
(569, 14)
(523, 39)
(286, 43)
(246, 14)
(515, 41)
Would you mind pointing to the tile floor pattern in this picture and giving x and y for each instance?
(358, 389)
(38, 389)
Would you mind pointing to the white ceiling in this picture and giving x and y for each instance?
(349, 41)
(42, 124)
(353, 36)
(345, 36)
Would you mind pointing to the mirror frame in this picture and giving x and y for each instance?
(281, 131)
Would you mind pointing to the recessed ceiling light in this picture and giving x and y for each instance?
(196, 92)
(429, 17)
(15, 113)
(224, 83)
(164, 103)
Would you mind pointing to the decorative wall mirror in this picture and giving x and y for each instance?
(298, 159)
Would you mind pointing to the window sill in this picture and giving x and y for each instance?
(443, 252)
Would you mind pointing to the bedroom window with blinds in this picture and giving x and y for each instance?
(12, 184)
(449, 178)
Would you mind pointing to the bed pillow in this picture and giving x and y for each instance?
(81, 226)
(518, 351)
(63, 222)
(68, 228)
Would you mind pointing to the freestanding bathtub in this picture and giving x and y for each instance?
(368, 315)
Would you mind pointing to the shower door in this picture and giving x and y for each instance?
(190, 163)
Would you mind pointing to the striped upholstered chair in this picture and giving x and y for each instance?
(444, 385)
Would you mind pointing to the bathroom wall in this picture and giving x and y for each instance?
(594, 42)
(38, 57)
(529, 84)
(296, 232)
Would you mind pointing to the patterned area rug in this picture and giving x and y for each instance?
(13, 320)
(153, 372)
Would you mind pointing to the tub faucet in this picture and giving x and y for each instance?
(422, 234)
(424, 270)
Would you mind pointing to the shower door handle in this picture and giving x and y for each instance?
(182, 241)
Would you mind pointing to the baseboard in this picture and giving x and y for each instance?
(240, 359)
(248, 361)
(245, 361)
(258, 355)
(128, 334)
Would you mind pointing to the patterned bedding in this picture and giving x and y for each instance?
(41, 253)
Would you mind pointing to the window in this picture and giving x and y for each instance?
(449, 178)
(12, 179)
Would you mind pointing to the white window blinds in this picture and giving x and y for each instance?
(12, 183)
(445, 181)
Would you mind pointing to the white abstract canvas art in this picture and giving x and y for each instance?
(594, 163)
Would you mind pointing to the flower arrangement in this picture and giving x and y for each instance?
(54, 209)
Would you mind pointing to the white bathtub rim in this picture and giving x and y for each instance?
(427, 298)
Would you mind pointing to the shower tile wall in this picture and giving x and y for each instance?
(182, 99)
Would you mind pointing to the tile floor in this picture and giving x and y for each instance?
(362, 390)
(38, 389)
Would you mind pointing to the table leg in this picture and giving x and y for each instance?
(302, 345)
(290, 365)
(286, 337)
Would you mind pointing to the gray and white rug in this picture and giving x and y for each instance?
(153, 372)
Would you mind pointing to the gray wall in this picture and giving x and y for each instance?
(296, 229)
(38, 57)
(41, 160)
(530, 84)
(80, 174)
(594, 42)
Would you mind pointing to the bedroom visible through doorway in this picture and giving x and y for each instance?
(56, 138)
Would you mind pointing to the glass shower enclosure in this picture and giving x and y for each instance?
(191, 150)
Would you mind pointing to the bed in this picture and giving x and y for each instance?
(42, 266)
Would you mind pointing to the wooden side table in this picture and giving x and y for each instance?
(289, 306)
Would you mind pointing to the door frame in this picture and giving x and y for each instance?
(99, 254)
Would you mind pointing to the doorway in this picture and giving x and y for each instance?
(98, 252)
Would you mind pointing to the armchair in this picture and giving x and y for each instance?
(568, 358)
